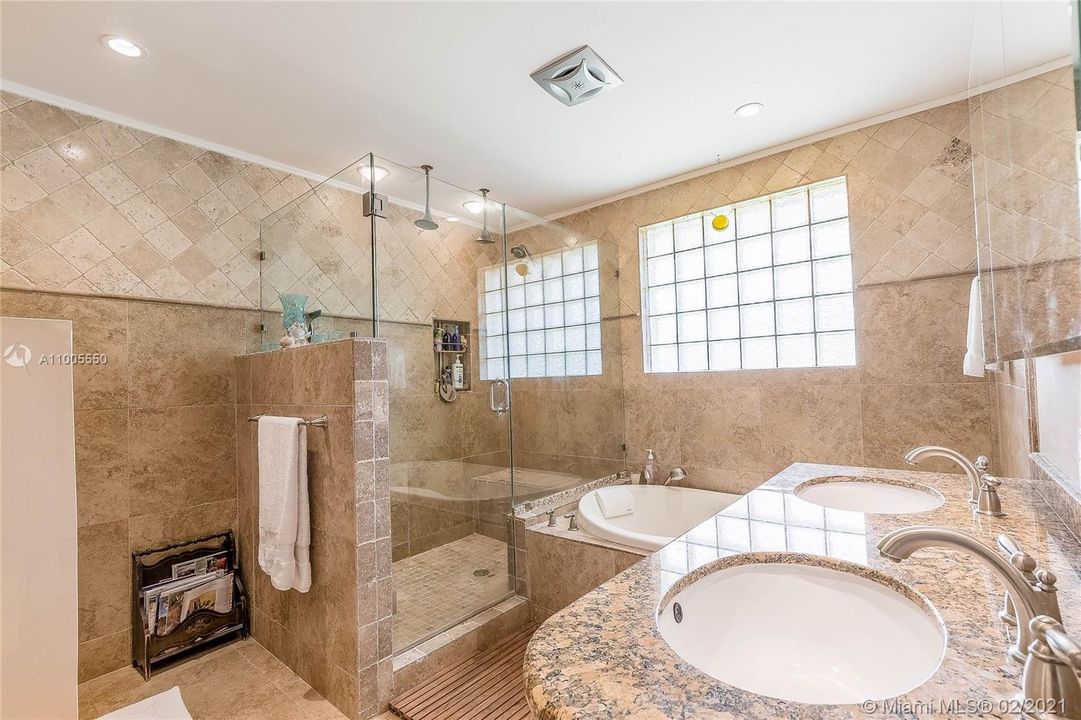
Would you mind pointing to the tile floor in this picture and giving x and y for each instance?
(238, 681)
(437, 588)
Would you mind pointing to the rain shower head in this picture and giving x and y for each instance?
(426, 222)
(485, 237)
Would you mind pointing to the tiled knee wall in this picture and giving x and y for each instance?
(337, 636)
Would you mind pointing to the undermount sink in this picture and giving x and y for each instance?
(805, 629)
(869, 495)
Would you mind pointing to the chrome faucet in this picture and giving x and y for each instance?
(972, 472)
(676, 475)
(1046, 599)
(900, 544)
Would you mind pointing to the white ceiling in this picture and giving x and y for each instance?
(316, 85)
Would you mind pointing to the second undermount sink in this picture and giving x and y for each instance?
(869, 495)
(805, 628)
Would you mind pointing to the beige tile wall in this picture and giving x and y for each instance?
(912, 225)
(561, 570)
(155, 449)
(337, 636)
(96, 208)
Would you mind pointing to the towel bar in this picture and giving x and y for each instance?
(320, 421)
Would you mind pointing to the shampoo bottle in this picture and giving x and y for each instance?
(457, 373)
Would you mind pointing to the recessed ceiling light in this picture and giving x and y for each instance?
(123, 46)
(473, 206)
(451, 218)
(380, 172)
(749, 110)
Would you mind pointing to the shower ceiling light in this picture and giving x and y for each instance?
(380, 172)
(451, 218)
(577, 76)
(473, 206)
(749, 110)
(123, 46)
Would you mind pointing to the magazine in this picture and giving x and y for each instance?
(201, 565)
(216, 595)
(165, 602)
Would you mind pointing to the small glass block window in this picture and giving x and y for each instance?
(770, 286)
(551, 327)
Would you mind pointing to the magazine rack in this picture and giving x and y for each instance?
(202, 626)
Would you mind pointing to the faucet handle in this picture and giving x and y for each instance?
(1008, 544)
(988, 501)
(1018, 557)
(1050, 681)
(1045, 581)
(551, 518)
(1050, 632)
(573, 525)
(983, 464)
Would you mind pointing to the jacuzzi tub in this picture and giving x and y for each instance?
(661, 514)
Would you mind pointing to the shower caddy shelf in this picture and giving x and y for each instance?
(446, 357)
(199, 628)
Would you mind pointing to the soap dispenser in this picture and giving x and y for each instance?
(649, 470)
(457, 373)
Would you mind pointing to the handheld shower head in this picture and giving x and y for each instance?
(426, 222)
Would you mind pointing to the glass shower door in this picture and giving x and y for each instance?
(451, 484)
(563, 354)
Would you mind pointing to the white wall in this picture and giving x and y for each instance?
(39, 637)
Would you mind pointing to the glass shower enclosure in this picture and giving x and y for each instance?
(522, 310)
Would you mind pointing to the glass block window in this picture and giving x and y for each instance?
(772, 288)
(551, 326)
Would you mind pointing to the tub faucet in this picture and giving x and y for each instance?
(972, 471)
(676, 475)
(900, 544)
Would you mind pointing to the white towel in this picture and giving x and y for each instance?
(615, 501)
(284, 521)
(166, 705)
(974, 359)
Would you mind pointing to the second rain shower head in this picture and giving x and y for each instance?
(426, 222)
(485, 237)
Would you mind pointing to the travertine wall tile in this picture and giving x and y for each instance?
(155, 449)
(332, 636)
(86, 190)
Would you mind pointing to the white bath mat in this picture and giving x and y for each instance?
(167, 705)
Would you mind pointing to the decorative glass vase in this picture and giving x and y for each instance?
(294, 307)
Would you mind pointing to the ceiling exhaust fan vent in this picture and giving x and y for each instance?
(577, 76)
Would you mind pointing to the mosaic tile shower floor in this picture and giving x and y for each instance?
(438, 588)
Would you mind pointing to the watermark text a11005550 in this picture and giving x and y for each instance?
(73, 359)
(962, 706)
(21, 356)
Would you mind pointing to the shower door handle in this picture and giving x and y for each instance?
(503, 406)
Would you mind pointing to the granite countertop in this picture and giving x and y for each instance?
(603, 657)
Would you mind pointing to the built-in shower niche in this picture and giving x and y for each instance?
(452, 339)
